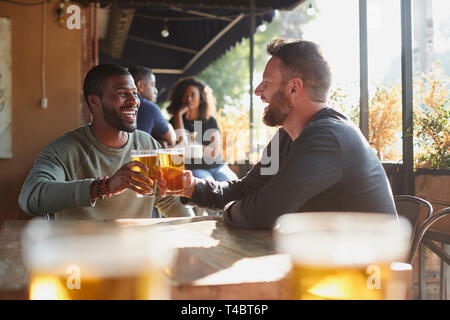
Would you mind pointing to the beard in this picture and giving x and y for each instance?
(277, 111)
(113, 118)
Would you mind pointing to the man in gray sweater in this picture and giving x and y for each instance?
(88, 173)
(317, 161)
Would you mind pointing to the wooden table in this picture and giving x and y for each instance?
(215, 261)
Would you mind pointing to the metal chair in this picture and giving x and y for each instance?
(417, 211)
(421, 236)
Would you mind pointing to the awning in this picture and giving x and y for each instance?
(200, 31)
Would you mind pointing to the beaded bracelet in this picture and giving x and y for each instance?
(102, 188)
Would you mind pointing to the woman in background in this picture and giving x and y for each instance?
(192, 107)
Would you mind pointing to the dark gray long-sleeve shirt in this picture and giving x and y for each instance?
(329, 167)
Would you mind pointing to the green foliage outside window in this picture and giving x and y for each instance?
(431, 119)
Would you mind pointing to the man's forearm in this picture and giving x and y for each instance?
(214, 195)
(42, 197)
(233, 215)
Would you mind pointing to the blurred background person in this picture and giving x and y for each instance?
(150, 118)
(192, 107)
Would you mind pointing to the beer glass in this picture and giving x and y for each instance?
(81, 260)
(150, 159)
(341, 255)
(171, 162)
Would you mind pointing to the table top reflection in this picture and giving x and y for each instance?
(214, 261)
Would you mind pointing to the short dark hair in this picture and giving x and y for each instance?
(95, 79)
(303, 59)
(207, 101)
(140, 73)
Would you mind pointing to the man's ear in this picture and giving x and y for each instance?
(296, 86)
(94, 101)
(140, 85)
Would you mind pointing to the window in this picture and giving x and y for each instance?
(431, 67)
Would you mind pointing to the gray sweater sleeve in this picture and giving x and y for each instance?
(46, 191)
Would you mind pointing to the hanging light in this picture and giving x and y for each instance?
(262, 28)
(165, 31)
(310, 11)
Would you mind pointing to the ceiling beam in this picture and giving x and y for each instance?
(201, 14)
(161, 44)
(118, 27)
(212, 41)
(168, 71)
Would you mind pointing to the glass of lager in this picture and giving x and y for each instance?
(171, 162)
(150, 159)
(345, 255)
(84, 260)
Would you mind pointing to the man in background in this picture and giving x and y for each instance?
(150, 118)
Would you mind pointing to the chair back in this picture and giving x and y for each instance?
(442, 216)
(415, 209)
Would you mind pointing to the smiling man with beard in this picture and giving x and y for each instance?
(324, 162)
(87, 173)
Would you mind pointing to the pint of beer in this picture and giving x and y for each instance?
(71, 261)
(339, 255)
(171, 162)
(150, 159)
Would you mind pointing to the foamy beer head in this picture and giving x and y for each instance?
(171, 162)
(95, 262)
(339, 255)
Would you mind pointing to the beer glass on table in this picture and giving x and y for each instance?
(81, 260)
(171, 162)
(150, 159)
(341, 255)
